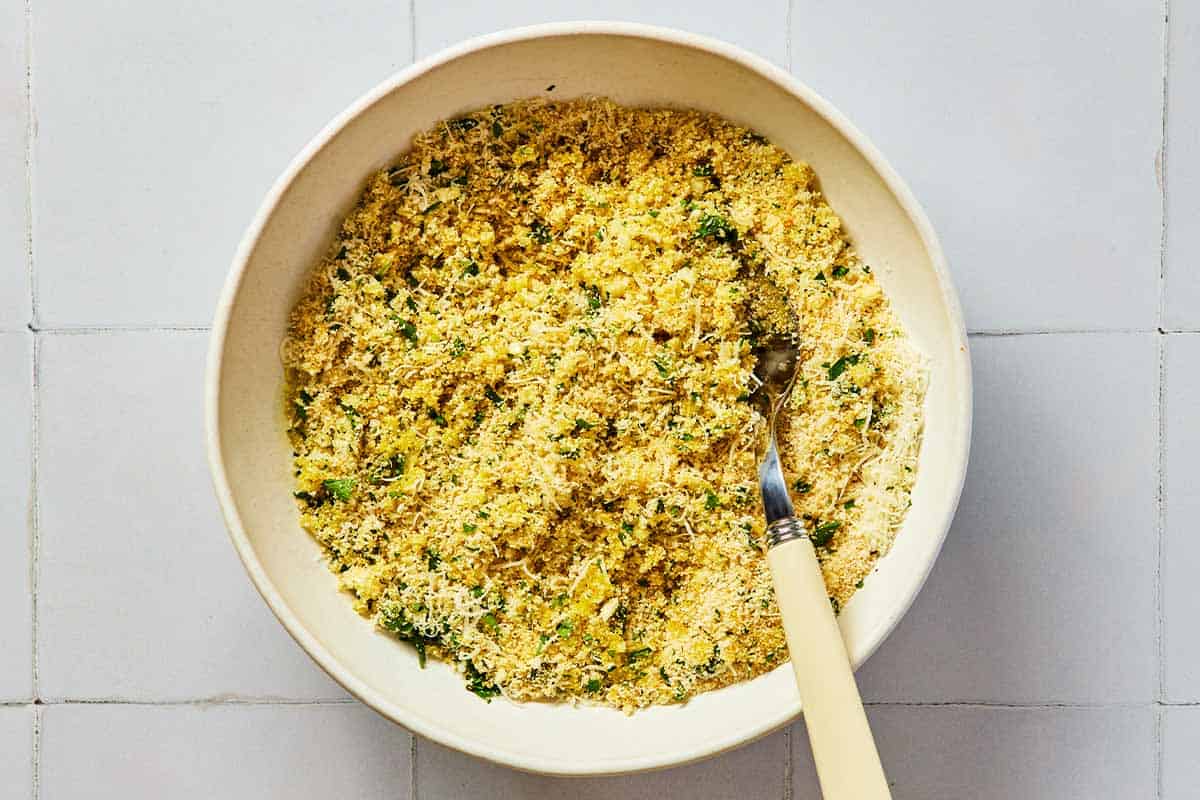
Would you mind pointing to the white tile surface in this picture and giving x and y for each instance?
(162, 126)
(16, 752)
(1181, 753)
(16, 476)
(1182, 306)
(1181, 549)
(141, 595)
(1030, 133)
(1045, 589)
(1029, 130)
(758, 27)
(754, 772)
(227, 752)
(939, 753)
(14, 281)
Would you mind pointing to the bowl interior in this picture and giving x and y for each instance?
(250, 453)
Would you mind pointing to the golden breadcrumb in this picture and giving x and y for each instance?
(519, 399)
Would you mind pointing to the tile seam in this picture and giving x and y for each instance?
(270, 701)
(37, 752)
(30, 134)
(34, 521)
(1163, 156)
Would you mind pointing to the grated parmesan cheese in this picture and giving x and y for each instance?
(518, 393)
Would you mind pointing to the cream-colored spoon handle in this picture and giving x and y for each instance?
(847, 762)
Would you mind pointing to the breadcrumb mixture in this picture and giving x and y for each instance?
(519, 398)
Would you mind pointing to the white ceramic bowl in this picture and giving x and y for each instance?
(250, 457)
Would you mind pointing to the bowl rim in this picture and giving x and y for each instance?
(326, 660)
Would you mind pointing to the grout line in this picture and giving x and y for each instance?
(84, 330)
(1160, 631)
(349, 701)
(1159, 718)
(412, 30)
(105, 329)
(789, 765)
(1044, 706)
(787, 27)
(1160, 525)
(998, 332)
(37, 752)
(30, 133)
(200, 702)
(413, 783)
(1162, 165)
(35, 510)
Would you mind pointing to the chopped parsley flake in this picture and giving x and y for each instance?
(340, 489)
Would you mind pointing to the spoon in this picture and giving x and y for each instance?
(847, 761)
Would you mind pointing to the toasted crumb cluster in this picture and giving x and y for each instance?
(519, 398)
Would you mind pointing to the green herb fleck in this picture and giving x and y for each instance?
(393, 619)
(716, 227)
(541, 233)
(463, 124)
(869, 336)
(493, 395)
(479, 684)
(823, 533)
(802, 487)
(593, 685)
(457, 348)
(839, 271)
(340, 488)
(838, 367)
(711, 501)
(564, 628)
(302, 403)
(634, 655)
(437, 167)
(407, 330)
(468, 527)
(432, 206)
(489, 619)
